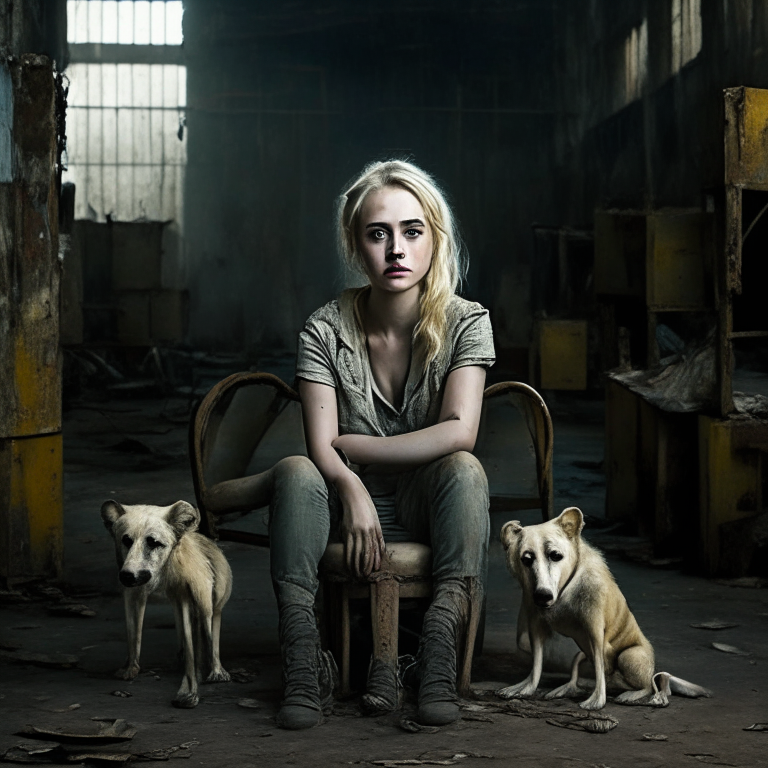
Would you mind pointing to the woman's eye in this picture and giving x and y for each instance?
(413, 232)
(378, 234)
(555, 556)
(127, 541)
(154, 543)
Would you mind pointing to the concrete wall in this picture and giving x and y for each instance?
(34, 26)
(663, 147)
(289, 101)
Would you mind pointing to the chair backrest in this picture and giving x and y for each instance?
(249, 421)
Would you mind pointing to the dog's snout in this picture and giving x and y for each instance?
(131, 579)
(542, 597)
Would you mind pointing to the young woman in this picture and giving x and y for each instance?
(391, 379)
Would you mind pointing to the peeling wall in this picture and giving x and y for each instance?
(286, 102)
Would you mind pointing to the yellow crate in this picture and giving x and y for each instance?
(675, 261)
(31, 507)
(563, 354)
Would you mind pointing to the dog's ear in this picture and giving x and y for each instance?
(111, 512)
(571, 521)
(510, 531)
(183, 518)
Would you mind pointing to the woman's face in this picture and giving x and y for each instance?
(394, 239)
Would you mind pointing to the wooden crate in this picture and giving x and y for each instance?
(563, 354)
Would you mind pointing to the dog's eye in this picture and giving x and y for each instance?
(127, 541)
(527, 559)
(154, 543)
(555, 557)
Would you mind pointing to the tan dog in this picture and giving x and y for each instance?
(567, 588)
(158, 548)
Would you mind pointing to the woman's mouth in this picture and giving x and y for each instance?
(396, 270)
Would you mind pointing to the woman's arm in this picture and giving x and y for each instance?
(456, 429)
(360, 529)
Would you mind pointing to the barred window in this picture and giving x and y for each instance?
(126, 143)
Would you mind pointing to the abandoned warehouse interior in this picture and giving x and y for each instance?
(168, 177)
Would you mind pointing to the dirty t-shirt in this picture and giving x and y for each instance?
(333, 351)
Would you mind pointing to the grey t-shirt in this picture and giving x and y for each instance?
(332, 351)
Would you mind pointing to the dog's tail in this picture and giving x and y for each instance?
(667, 683)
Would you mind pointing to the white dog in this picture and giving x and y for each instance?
(567, 588)
(158, 548)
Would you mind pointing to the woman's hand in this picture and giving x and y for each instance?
(360, 529)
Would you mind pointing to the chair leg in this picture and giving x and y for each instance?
(473, 621)
(385, 613)
(343, 605)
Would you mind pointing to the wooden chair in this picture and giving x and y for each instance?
(230, 425)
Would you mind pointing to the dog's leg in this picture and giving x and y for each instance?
(635, 665)
(135, 600)
(571, 688)
(597, 646)
(218, 673)
(528, 687)
(186, 697)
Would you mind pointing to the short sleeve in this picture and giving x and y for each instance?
(313, 360)
(473, 341)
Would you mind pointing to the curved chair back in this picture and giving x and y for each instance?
(231, 436)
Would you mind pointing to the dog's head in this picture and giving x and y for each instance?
(544, 556)
(145, 536)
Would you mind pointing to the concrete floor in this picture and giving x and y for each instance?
(135, 450)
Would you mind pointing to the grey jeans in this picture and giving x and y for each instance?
(443, 504)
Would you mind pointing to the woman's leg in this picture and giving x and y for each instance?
(445, 504)
(299, 523)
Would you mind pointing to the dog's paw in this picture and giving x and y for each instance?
(186, 700)
(218, 676)
(519, 691)
(128, 672)
(593, 703)
(564, 692)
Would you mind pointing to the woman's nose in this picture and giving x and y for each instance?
(397, 251)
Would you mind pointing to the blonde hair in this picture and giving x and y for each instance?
(449, 262)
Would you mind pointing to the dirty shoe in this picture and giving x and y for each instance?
(308, 672)
(382, 690)
(438, 702)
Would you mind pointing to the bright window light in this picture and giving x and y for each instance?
(127, 22)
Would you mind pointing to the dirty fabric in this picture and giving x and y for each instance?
(333, 351)
(444, 504)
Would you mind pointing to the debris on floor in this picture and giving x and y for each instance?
(725, 648)
(591, 722)
(97, 731)
(714, 625)
(757, 727)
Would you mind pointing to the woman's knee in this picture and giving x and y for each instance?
(463, 471)
(296, 479)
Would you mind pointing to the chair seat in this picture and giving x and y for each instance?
(404, 561)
